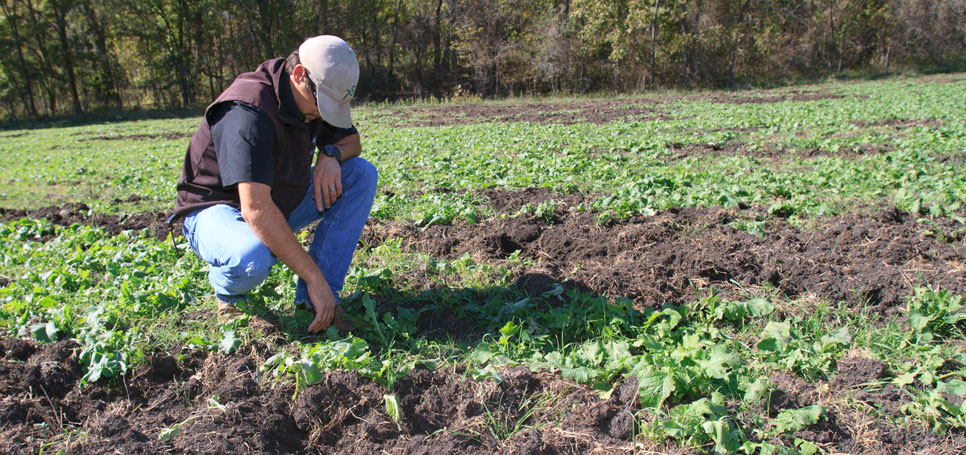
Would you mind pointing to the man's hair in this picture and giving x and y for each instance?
(291, 61)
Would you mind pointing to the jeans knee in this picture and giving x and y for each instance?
(364, 174)
(248, 269)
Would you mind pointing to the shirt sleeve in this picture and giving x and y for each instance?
(244, 140)
(329, 134)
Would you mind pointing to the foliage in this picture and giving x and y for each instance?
(704, 371)
(127, 53)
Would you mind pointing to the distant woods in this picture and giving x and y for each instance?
(73, 56)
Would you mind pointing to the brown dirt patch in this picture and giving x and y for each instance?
(745, 99)
(567, 113)
(71, 213)
(512, 201)
(876, 259)
(851, 431)
(171, 136)
(597, 112)
(770, 152)
(220, 403)
(900, 123)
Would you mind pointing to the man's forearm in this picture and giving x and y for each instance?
(270, 226)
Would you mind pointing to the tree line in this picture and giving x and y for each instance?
(72, 56)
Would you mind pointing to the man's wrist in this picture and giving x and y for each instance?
(315, 278)
(333, 151)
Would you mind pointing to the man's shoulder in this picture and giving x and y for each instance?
(257, 88)
(238, 113)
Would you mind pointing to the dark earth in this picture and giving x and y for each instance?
(872, 259)
(868, 259)
(212, 403)
(563, 113)
(217, 404)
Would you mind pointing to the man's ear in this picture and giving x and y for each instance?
(298, 72)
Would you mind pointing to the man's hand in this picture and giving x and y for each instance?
(268, 223)
(324, 304)
(327, 180)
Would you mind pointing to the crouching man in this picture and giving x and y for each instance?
(248, 182)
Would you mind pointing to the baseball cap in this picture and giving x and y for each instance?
(333, 68)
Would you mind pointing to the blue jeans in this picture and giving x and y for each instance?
(240, 261)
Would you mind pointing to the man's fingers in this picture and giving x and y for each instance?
(330, 195)
(318, 196)
(322, 319)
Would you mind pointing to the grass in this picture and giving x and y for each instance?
(704, 370)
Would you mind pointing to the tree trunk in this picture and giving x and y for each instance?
(10, 12)
(437, 40)
(45, 83)
(109, 80)
(392, 45)
(60, 10)
(734, 49)
(654, 25)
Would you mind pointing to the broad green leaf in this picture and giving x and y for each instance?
(169, 432)
(725, 440)
(792, 420)
(309, 372)
(655, 386)
(579, 374)
(720, 362)
(229, 342)
(905, 379)
(755, 391)
(842, 337)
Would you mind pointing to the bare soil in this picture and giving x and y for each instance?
(597, 112)
(567, 113)
(212, 404)
(79, 213)
(171, 136)
(863, 258)
(874, 259)
(222, 403)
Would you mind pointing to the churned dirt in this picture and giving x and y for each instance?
(170, 136)
(214, 403)
(219, 403)
(79, 213)
(597, 112)
(567, 113)
(210, 403)
(768, 151)
(874, 259)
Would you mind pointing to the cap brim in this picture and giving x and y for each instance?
(335, 114)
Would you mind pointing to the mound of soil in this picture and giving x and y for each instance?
(770, 152)
(857, 258)
(170, 136)
(68, 214)
(214, 404)
(791, 96)
(597, 112)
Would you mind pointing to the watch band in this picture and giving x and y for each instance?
(333, 151)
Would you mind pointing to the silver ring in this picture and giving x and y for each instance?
(331, 189)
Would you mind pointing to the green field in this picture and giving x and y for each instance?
(683, 283)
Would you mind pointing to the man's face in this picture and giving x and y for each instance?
(306, 94)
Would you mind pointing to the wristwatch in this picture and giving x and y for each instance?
(333, 151)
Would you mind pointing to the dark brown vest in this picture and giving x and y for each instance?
(268, 89)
